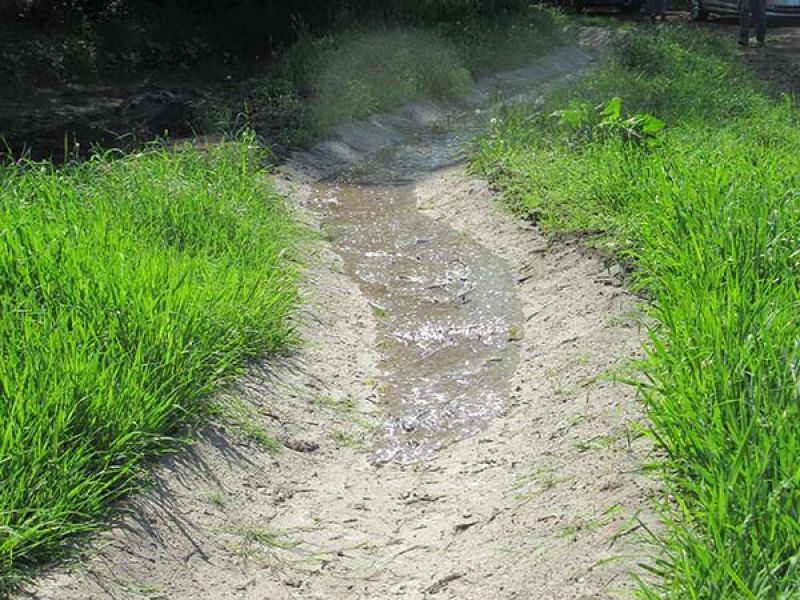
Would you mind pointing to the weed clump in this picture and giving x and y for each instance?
(709, 216)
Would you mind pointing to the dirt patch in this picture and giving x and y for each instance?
(543, 502)
(574, 451)
(777, 62)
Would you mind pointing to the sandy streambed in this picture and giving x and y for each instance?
(447, 317)
(449, 428)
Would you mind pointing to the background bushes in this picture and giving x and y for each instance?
(43, 40)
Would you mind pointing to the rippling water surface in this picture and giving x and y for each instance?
(446, 308)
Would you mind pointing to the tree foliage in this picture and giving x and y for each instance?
(274, 17)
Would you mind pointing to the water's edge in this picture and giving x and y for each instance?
(448, 318)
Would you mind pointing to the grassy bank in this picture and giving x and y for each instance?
(707, 209)
(130, 289)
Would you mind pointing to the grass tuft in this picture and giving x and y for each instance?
(383, 69)
(130, 289)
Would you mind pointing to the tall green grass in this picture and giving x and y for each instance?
(710, 216)
(130, 289)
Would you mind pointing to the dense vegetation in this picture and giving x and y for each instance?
(707, 209)
(288, 70)
(130, 288)
(42, 40)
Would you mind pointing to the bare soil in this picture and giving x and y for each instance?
(544, 502)
(777, 62)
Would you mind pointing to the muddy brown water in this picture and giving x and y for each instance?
(447, 315)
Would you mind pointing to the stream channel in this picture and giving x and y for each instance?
(447, 314)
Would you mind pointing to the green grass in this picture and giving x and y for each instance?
(709, 217)
(506, 40)
(130, 289)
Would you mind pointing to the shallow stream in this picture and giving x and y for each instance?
(447, 314)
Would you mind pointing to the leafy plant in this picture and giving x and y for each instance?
(595, 125)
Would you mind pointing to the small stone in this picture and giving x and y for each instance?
(300, 445)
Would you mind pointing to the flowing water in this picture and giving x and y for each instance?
(448, 318)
